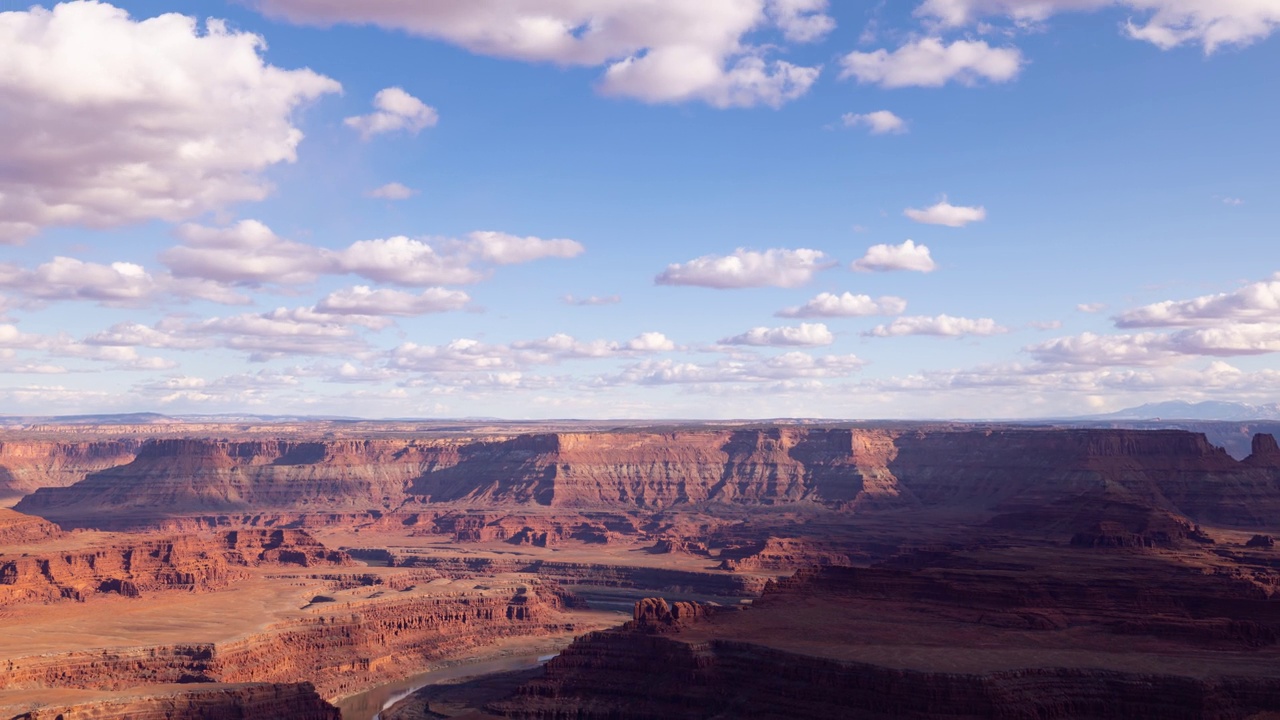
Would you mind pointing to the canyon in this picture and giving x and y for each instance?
(905, 569)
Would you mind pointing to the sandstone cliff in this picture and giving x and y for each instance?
(29, 464)
(931, 644)
(19, 529)
(341, 649)
(135, 566)
(860, 470)
(188, 702)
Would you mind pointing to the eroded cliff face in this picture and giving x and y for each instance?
(133, 566)
(19, 529)
(340, 650)
(634, 676)
(29, 464)
(850, 470)
(932, 643)
(292, 701)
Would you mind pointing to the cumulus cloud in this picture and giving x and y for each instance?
(78, 82)
(64, 278)
(802, 20)
(62, 345)
(1257, 302)
(1105, 350)
(944, 213)
(748, 268)
(659, 51)
(1229, 339)
(281, 332)
(363, 300)
(929, 62)
(787, 367)
(250, 253)
(505, 249)
(1095, 307)
(394, 110)
(562, 346)
(392, 191)
(407, 261)
(880, 122)
(846, 305)
(940, 325)
(887, 258)
(469, 355)
(1167, 24)
(247, 252)
(1213, 381)
(803, 335)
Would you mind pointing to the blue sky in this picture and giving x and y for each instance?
(562, 208)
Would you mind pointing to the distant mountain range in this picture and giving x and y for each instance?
(1181, 410)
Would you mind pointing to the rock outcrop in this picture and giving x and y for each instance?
(880, 643)
(19, 529)
(295, 701)
(134, 566)
(861, 470)
(28, 464)
(342, 648)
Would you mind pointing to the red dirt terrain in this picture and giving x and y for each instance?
(924, 570)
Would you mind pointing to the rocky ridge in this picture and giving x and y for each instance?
(840, 469)
(686, 661)
(132, 566)
(295, 701)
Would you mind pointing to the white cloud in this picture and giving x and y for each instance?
(469, 355)
(1153, 348)
(1095, 307)
(64, 278)
(887, 258)
(591, 300)
(748, 268)
(944, 213)
(657, 51)
(363, 300)
(880, 122)
(504, 249)
(392, 191)
(395, 110)
(1105, 350)
(803, 335)
(787, 367)
(1229, 339)
(678, 74)
(846, 305)
(1168, 23)
(802, 20)
(132, 334)
(941, 326)
(648, 342)
(1257, 302)
(1232, 201)
(78, 82)
(562, 346)
(283, 331)
(61, 345)
(928, 62)
(247, 253)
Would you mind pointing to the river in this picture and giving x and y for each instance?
(368, 704)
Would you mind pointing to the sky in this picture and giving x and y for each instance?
(638, 208)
